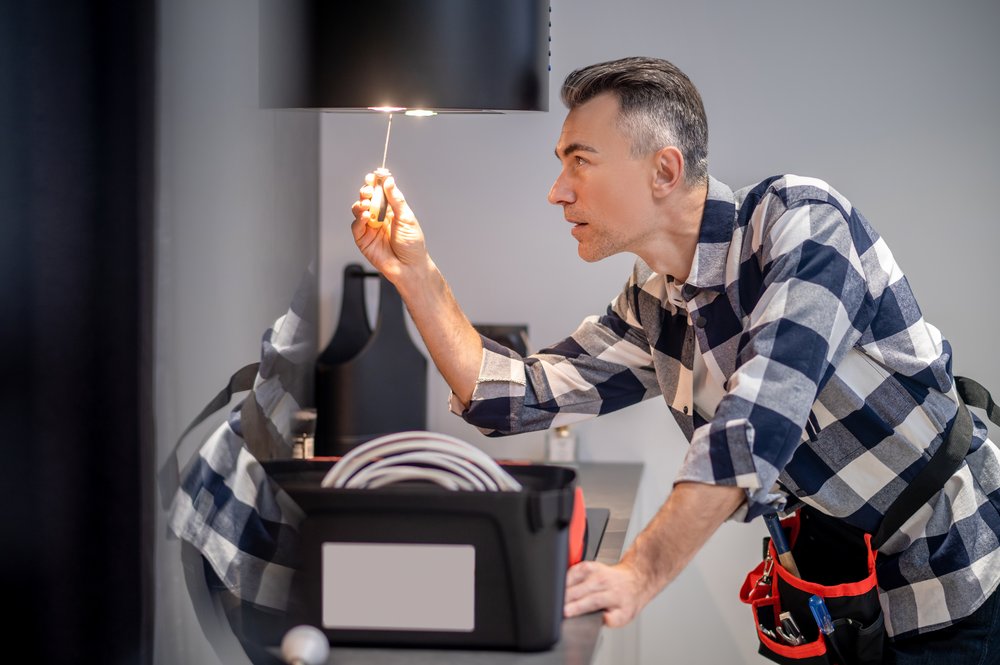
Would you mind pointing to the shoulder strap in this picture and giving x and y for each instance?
(975, 395)
(943, 463)
(169, 476)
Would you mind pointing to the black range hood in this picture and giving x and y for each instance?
(468, 56)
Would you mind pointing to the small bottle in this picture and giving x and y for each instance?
(303, 434)
(560, 445)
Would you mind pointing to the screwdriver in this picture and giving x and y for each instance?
(781, 543)
(825, 623)
(379, 206)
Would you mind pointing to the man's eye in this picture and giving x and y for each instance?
(579, 161)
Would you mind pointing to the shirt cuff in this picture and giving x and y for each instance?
(500, 389)
(722, 454)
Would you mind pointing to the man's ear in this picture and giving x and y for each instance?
(669, 170)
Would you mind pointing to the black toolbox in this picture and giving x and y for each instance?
(419, 565)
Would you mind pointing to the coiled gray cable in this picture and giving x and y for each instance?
(431, 456)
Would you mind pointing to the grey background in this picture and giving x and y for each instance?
(892, 102)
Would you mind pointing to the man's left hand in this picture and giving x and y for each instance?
(688, 517)
(619, 590)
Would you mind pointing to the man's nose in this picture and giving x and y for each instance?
(560, 193)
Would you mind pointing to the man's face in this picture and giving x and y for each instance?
(603, 190)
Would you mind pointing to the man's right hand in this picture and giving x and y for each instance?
(397, 250)
(396, 246)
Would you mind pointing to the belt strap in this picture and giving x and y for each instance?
(943, 463)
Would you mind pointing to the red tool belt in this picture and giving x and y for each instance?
(841, 571)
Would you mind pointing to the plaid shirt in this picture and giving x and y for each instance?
(242, 523)
(827, 382)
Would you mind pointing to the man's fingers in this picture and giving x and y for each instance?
(577, 573)
(390, 184)
(396, 199)
(583, 606)
(583, 599)
(581, 580)
(592, 586)
(601, 599)
(586, 589)
(360, 227)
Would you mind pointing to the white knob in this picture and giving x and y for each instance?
(305, 645)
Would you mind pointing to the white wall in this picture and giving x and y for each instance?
(893, 102)
(237, 210)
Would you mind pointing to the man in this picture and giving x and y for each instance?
(779, 331)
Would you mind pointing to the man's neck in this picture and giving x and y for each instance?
(672, 251)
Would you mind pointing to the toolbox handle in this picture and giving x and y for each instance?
(545, 508)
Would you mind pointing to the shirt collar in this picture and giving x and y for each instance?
(708, 270)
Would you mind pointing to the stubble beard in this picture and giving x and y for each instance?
(597, 248)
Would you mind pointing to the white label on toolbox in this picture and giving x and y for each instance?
(399, 586)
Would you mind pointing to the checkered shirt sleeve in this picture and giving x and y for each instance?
(603, 366)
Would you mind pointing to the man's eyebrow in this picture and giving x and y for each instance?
(574, 147)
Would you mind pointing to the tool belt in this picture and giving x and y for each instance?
(836, 566)
(839, 565)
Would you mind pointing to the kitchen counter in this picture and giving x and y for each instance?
(605, 485)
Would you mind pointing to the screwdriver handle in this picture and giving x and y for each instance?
(780, 543)
(378, 209)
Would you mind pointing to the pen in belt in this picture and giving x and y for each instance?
(781, 543)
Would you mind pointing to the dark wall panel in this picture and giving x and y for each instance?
(76, 79)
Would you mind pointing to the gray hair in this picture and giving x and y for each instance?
(659, 107)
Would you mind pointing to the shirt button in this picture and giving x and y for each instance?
(685, 410)
(700, 321)
(688, 291)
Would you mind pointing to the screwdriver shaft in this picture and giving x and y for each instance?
(385, 151)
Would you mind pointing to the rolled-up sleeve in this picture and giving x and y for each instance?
(499, 393)
(603, 366)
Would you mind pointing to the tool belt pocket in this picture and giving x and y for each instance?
(837, 564)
